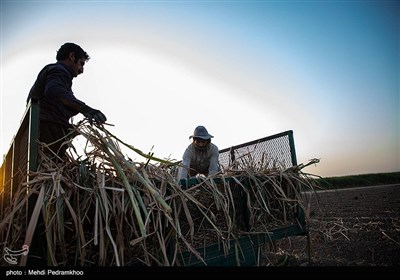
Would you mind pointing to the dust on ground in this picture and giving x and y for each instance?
(348, 227)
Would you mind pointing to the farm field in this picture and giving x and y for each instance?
(348, 227)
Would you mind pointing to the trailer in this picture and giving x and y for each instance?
(240, 249)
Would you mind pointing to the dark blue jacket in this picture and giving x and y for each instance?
(53, 90)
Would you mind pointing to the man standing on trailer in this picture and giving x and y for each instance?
(57, 103)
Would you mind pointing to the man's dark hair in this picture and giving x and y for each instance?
(67, 48)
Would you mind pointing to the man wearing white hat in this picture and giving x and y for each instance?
(200, 157)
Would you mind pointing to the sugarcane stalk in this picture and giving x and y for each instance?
(129, 190)
(105, 144)
(152, 191)
(145, 182)
(32, 224)
(105, 205)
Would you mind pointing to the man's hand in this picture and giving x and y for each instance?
(93, 115)
(183, 183)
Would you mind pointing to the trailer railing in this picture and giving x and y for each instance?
(277, 150)
(269, 152)
(21, 157)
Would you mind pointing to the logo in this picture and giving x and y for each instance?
(10, 254)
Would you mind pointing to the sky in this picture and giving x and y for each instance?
(327, 70)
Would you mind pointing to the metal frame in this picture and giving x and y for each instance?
(278, 148)
(21, 157)
(247, 245)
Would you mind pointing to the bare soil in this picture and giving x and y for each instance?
(347, 227)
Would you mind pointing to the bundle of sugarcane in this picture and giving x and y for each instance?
(102, 208)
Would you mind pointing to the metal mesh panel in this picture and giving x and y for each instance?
(276, 151)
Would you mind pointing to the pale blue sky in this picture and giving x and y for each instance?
(328, 70)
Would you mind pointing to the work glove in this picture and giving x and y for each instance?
(93, 115)
(183, 183)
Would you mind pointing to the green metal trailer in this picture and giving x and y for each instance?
(22, 157)
(244, 251)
